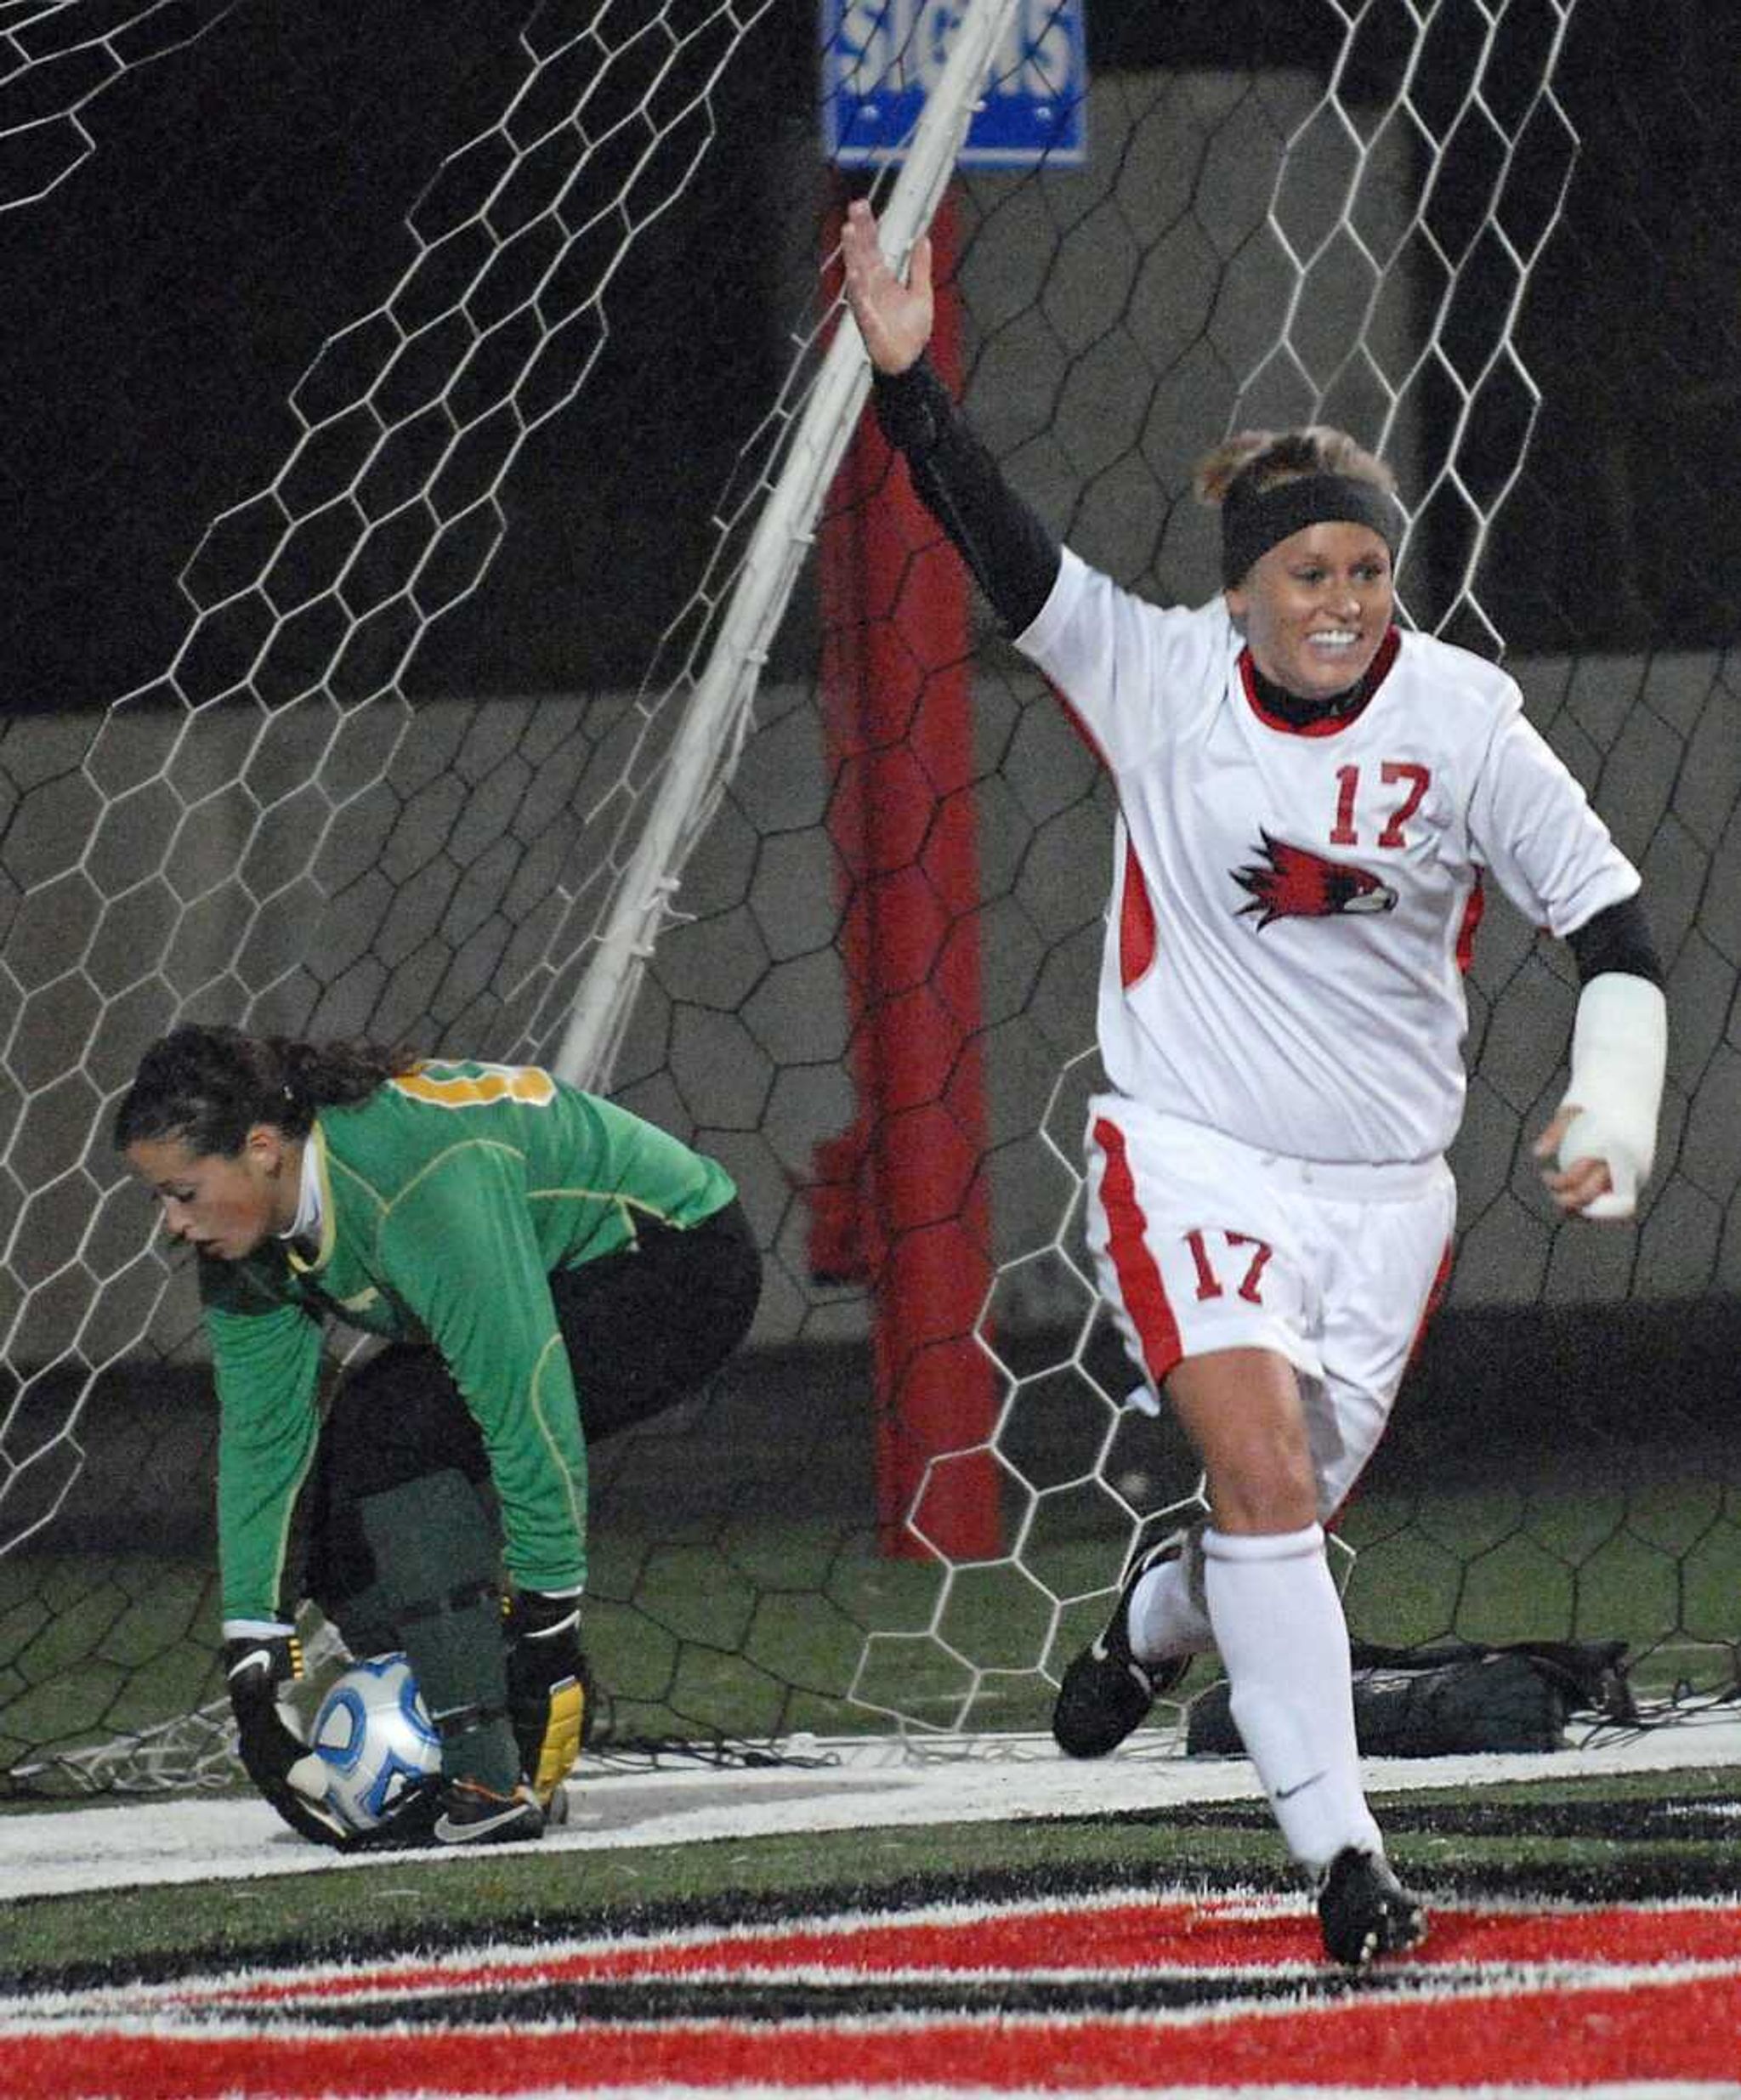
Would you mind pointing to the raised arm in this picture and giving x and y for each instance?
(1013, 556)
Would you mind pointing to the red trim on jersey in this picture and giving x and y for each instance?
(1465, 933)
(1136, 938)
(1140, 1285)
(1136, 941)
(1326, 725)
(1077, 724)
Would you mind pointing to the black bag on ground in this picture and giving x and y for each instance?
(1455, 1699)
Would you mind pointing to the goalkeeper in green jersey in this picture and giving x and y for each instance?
(545, 1267)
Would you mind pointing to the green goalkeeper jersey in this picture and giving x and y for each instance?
(448, 1198)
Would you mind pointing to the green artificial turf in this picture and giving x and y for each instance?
(1645, 1834)
(752, 1632)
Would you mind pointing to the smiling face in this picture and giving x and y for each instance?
(223, 1204)
(1316, 606)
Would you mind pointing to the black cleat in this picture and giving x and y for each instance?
(471, 1814)
(1106, 1691)
(410, 1822)
(1364, 1910)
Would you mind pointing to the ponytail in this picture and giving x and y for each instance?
(209, 1087)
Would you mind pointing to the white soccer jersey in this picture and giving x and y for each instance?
(1291, 908)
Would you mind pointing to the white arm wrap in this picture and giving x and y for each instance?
(1620, 1048)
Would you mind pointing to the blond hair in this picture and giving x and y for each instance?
(1261, 459)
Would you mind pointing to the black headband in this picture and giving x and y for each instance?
(1253, 521)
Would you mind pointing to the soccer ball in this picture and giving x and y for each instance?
(373, 1734)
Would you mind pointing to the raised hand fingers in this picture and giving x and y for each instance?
(894, 319)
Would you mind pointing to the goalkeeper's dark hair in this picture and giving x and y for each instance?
(209, 1087)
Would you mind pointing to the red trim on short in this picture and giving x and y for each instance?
(1435, 1298)
(1326, 725)
(1136, 940)
(1472, 911)
(1140, 1285)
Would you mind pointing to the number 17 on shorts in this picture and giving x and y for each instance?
(1192, 1245)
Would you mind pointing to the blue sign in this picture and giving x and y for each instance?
(881, 57)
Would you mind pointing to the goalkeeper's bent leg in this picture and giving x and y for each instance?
(435, 1558)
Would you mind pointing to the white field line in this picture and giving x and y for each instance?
(848, 1783)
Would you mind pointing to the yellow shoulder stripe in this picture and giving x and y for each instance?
(444, 1087)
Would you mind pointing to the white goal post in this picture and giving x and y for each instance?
(716, 717)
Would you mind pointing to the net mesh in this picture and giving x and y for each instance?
(402, 603)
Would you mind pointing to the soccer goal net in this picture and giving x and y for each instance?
(402, 397)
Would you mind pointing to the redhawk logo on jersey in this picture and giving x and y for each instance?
(1301, 885)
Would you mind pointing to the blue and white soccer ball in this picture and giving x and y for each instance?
(374, 1735)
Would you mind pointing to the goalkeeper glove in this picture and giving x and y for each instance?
(546, 1686)
(276, 1758)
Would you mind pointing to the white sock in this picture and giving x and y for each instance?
(1165, 1617)
(1284, 1642)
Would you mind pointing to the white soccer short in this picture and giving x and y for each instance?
(1202, 1243)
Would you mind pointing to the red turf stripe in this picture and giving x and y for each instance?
(1152, 1938)
(1146, 1937)
(1559, 2039)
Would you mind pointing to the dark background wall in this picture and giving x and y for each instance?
(247, 196)
(1575, 1400)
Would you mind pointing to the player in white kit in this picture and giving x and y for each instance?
(1310, 801)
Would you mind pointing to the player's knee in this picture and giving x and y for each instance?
(398, 1419)
(1263, 1492)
